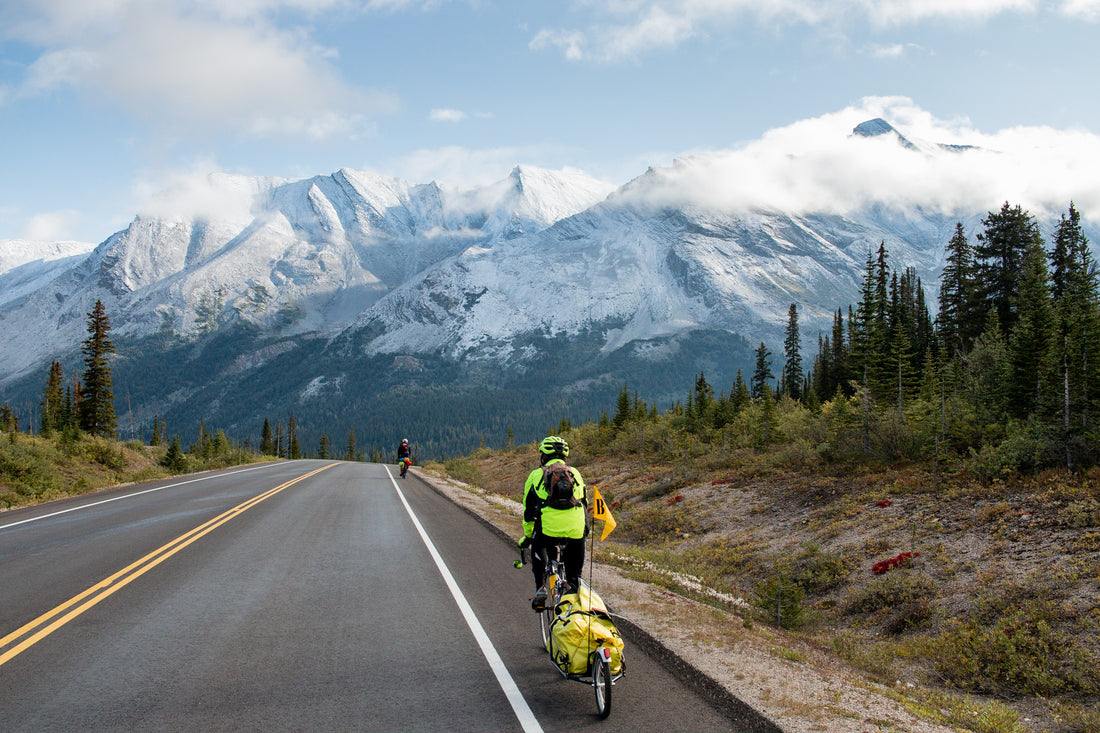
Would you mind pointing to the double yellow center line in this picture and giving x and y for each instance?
(51, 621)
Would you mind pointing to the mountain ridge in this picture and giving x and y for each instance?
(315, 284)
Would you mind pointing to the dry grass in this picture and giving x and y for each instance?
(999, 598)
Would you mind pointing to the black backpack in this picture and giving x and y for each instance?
(560, 483)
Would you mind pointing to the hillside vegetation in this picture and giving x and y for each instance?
(960, 588)
(34, 469)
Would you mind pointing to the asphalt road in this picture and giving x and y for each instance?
(304, 595)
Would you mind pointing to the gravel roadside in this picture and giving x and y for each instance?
(760, 677)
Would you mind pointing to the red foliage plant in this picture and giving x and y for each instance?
(903, 559)
(885, 503)
(674, 499)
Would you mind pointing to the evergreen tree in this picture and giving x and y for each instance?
(220, 445)
(985, 373)
(704, 396)
(174, 459)
(322, 448)
(901, 333)
(999, 256)
(267, 443)
(762, 373)
(293, 449)
(792, 366)
(958, 315)
(739, 395)
(766, 421)
(622, 409)
(52, 401)
(870, 336)
(157, 437)
(1030, 340)
(351, 451)
(8, 421)
(1076, 342)
(97, 408)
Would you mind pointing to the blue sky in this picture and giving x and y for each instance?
(105, 102)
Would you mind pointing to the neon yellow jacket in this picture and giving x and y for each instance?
(555, 522)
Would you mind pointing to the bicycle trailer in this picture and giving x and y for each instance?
(581, 626)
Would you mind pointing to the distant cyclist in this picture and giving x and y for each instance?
(404, 457)
(554, 506)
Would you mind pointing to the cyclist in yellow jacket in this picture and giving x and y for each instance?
(555, 503)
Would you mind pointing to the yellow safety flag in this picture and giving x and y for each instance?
(599, 511)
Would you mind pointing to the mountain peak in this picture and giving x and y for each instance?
(874, 128)
(878, 127)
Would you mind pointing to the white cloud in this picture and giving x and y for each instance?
(628, 28)
(818, 166)
(457, 166)
(201, 191)
(53, 226)
(447, 115)
(197, 62)
(1085, 9)
(893, 51)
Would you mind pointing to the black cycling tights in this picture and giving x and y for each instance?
(572, 556)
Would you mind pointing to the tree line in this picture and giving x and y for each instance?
(1007, 374)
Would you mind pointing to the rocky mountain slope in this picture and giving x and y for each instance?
(354, 297)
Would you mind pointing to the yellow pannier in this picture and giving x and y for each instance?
(581, 625)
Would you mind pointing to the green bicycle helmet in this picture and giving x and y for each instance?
(554, 446)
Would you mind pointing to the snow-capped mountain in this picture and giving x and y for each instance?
(288, 256)
(26, 266)
(357, 297)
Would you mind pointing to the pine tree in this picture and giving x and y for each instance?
(766, 421)
(999, 256)
(1076, 342)
(985, 372)
(957, 318)
(174, 459)
(52, 401)
(267, 443)
(792, 366)
(351, 451)
(739, 395)
(762, 373)
(704, 396)
(293, 449)
(157, 436)
(97, 408)
(322, 448)
(622, 409)
(1029, 343)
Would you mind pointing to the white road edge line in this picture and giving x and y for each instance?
(515, 697)
(127, 496)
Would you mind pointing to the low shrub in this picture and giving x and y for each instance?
(1021, 652)
(781, 602)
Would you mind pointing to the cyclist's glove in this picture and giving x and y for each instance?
(524, 542)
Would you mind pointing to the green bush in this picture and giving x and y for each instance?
(897, 589)
(1022, 652)
(820, 572)
(780, 601)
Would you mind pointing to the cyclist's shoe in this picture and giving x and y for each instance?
(538, 603)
